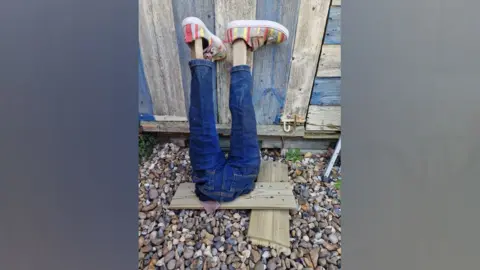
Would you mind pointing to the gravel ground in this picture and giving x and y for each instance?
(192, 239)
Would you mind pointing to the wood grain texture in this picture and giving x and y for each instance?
(144, 99)
(333, 32)
(308, 42)
(159, 51)
(264, 196)
(205, 11)
(226, 11)
(324, 118)
(330, 61)
(270, 227)
(326, 92)
(222, 129)
(272, 63)
(336, 2)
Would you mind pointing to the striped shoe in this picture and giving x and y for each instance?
(256, 33)
(194, 28)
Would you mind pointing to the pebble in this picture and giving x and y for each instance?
(333, 238)
(171, 264)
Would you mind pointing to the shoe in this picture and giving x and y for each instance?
(256, 33)
(194, 28)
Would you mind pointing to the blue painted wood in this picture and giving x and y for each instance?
(145, 104)
(271, 64)
(326, 91)
(205, 11)
(333, 33)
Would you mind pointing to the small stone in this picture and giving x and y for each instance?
(272, 265)
(322, 261)
(236, 234)
(333, 238)
(308, 155)
(171, 264)
(330, 247)
(142, 215)
(314, 256)
(170, 255)
(266, 254)
(222, 256)
(306, 238)
(259, 266)
(323, 253)
(153, 194)
(255, 255)
(308, 262)
(160, 262)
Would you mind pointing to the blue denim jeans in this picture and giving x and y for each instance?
(217, 178)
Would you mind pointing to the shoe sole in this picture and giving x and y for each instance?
(259, 23)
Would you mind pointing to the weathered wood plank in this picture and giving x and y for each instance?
(324, 118)
(159, 50)
(272, 63)
(270, 227)
(264, 196)
(308, 42)
(144, 98)
(205, 11)
(223, 129)
(333, 32)
(295, 143)
(330, 61)
(336, 2)
(326, 91)
(226, 11)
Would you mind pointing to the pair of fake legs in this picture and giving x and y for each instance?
(217, 178)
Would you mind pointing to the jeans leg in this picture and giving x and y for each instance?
(205, 153)
(244, 154)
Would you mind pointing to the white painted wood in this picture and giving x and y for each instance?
(158, 46)
(168, 118)
(324, 118)
(336, 2)
(312, 19)
(330, 60)
(226, 11)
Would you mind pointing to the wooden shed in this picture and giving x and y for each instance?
(296, 85)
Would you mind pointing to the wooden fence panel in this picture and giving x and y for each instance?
(271, 65)
(159, 49)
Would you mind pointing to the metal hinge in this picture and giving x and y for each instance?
(290, 120)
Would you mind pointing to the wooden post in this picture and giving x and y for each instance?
(239, 53)
(196, 49)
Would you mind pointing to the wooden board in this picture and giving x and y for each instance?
(330, 60)
(159, 49)
(270, 227)
(272, 63)
(205, 11)
(226, 11)
(333, 33)
(308, 42)
(264, 196)
(336, 2)
(324, 118)
(223, 129)
(326, 92)
(145, 105)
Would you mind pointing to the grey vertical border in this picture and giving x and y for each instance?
(68, 135)
(411, 134)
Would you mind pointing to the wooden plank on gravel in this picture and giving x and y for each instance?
(271, 227)
(265, 196)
